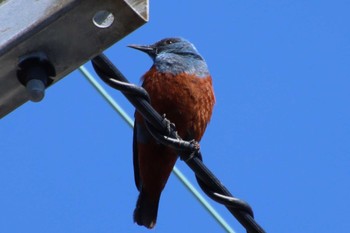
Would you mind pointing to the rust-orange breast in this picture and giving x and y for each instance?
(186, 100)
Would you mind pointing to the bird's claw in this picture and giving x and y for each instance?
(195, 145)
(170, 127)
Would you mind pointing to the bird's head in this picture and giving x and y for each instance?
(177, 46)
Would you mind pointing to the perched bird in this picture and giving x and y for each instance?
(179, 86)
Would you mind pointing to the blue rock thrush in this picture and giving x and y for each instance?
(180, 86)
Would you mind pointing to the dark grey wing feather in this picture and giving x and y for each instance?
(136, 159)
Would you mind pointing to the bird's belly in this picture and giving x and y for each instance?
(186, 100)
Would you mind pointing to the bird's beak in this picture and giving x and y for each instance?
(144, 48)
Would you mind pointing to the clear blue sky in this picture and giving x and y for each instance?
(279, 136)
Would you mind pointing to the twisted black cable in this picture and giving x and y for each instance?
(164, 132)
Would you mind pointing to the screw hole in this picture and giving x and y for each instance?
(103, 19)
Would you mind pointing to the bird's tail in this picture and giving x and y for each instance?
(145, 213)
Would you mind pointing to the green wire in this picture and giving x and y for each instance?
(176, 171)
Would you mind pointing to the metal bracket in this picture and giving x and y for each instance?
(69, 32)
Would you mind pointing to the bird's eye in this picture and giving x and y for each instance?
(168, 42)
(165, 42)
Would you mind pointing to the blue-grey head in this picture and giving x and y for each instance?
(175, 55)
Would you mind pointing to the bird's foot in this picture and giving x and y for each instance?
(193, 149)
(195, 145)
(170, 127)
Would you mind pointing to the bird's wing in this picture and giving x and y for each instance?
(136, 159)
